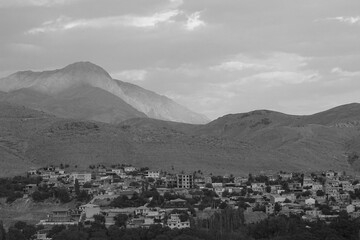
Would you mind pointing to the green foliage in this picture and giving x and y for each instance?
(124, 201)
(63, 195)
(15, 234)
(320, 193)
(306, 193)
(55, 230)
(13, 196)
(83, 196)
(12, 188)
(120, 220)
(72, 234)
(2, 231)
(99, 218)
(228, 224)
(39, 196)
(77, 187)
(87, 185)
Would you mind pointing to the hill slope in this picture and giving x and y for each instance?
(91, 88)
(237, 143)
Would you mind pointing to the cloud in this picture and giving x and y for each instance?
(273, 69)
(131, 75)
(279, 61)
(66, 23)
(347, 20)
(239, 66)
(37, 3)
(194, 21)
(342, 73)
(278, 78)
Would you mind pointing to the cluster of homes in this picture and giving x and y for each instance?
(313, 196)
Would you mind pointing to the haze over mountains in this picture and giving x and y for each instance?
(85, 91)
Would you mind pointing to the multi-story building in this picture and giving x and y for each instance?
(185, 181)
(117, 171)
(171, 181)
(286, 176)
(81, 177)
(174, 221)
(240, 180)
(153, 174)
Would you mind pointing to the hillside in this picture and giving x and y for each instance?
(86, 91)
(238, 143)
(82, 102)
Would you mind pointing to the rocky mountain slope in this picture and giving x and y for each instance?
(85, 91)
(238, 143)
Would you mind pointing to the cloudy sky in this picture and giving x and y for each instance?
(215, 57)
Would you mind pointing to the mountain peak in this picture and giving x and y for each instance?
(61, 85)
(85, 67)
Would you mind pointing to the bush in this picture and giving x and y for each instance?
(13, 196)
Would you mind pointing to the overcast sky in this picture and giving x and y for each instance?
(214, 57)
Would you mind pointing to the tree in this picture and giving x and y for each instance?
(63, 195)
(83, 196)
(99, 218)
(20, 225)
(87, 185)
(222, 205)
(2, 231)
(277, 207)
(306, 193)
(320, 193)
(29, 231)
(15, 234)
(77, 187)
(71, 235)
(55, 230)
(121, 219)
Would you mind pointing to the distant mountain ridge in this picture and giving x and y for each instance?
(62, 91)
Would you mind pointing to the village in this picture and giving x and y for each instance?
(134, 197)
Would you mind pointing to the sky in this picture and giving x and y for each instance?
(214, 57)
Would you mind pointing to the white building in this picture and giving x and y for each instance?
(81, 177)
(153, 174)
(129, 169)
(175, 222)
(117, 171)
(274, 198)
(310, 201)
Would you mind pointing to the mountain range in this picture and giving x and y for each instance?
(86, 91)
(238, 143)
(80, 116)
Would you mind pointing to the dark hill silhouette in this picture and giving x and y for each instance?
(238, 143)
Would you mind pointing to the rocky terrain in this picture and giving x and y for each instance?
(237, 143)
(86, 91)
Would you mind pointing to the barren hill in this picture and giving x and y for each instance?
(86, 91)
(238, 143)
